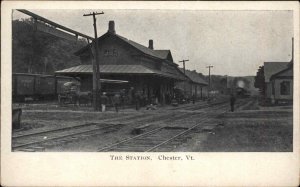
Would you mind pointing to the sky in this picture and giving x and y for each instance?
(236, 43)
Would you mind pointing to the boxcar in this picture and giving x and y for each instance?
(23, 85)
(37, 86)
(45, 86)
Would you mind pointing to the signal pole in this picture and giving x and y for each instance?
(96, 71)
(209, 83)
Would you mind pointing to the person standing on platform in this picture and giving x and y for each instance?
(137, 99)
(232, 101)
(194, 98)
(131, 94)
(104, 101)
(117, 101)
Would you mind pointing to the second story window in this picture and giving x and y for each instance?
(110, 52)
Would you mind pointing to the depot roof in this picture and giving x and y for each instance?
(194, 77)
(270, 68)
(120, 69)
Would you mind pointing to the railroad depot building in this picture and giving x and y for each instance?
(148, 71)
(195, 85)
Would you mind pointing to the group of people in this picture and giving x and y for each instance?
(139, 99)
(136, 98)
(105, 100)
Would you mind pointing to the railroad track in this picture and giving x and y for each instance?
(198, 106)
(163, 138)
(38, 140)
(151, 140)
(62, 135)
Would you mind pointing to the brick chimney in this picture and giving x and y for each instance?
(111, 27)
(150, 44)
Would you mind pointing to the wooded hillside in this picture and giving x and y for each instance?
(41, 52)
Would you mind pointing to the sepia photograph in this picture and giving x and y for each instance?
(130, 81)
(149, 93)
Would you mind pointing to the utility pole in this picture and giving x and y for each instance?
(183, 62)
(96, 71)
(209, 83)
(292, 49)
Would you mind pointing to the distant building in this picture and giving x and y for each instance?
(279, 80)
(150, 72)
(282, 85)
(271, 68)
(195, 85)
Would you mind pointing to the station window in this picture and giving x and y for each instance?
(106, 52)
(285, 88)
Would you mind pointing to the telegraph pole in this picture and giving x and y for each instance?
(209, 83)
(183, 62)
(96, 71)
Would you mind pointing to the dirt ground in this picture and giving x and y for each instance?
(250, 128)
(252, 131)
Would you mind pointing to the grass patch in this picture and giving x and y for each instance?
(251, 137)
(27, 126)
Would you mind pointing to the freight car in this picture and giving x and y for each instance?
(37, 86)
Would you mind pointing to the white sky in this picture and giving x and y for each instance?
(236, 43)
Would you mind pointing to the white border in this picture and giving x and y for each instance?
(95, 169)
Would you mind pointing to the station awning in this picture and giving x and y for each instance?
(119, 69)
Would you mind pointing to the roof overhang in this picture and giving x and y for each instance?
(118, 70)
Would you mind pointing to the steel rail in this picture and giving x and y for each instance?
(204, 105)
(82, 132)
(60, 137)
(132, 138)
(97, 129)
(156, 130)
(107, 148)
(128, 139)
(184, 132)
(75, 126)
(240, 104)
(138, 117)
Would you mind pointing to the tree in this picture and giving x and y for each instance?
(38, 52)
(259, 81)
